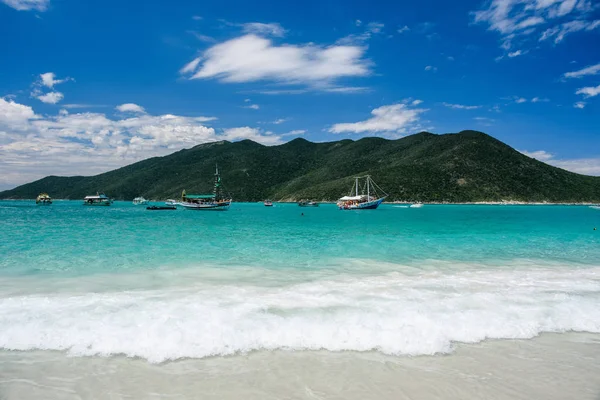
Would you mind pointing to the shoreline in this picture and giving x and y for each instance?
(397, 202)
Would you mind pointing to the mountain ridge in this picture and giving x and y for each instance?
(468, 166)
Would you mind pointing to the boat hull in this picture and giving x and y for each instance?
(97, 204)
(223, 206)
(43, 203)
(368, 205)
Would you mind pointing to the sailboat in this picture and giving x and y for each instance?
(367, 196)
(216, 201)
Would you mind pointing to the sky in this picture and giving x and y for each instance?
(86, 87)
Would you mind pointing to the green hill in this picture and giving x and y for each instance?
(463, 167)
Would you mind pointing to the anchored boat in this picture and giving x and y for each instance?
(139, 201)
(308, 203)
(268, 203)
(216, 201)
(100, 199)
(365, 196)
(43, 199)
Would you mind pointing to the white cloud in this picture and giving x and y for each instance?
(403, 29)
(271, 29)
(251, 58)
(461, 106)
(33, 146)
(559, 32)
(540, 155)
(14, 115)
(346, 89)
(579, 104)
(51, 98)
(430, 68)
(280, 121)
(201, 37)
(589, 70)
(26, 5)
(450, 58)
(589, 91)
(130, 107)
(396, 118)
(48, 79)
(416, 102)
(252, 106)
(297, 132)
(358, 22)
(516, 53)
(197, 18)
(371, 29)
(266, 138)
(517, 19)
(586, 166)
(540, 100)
(520, 100)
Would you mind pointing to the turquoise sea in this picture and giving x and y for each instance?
(158, 286)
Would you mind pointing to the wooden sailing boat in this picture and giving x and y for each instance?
(367, 196)
(216, 201)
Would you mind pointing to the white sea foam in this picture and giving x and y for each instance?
(392, 312)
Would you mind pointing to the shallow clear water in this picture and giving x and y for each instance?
(166, 285)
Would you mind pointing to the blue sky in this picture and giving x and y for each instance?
(86, 87)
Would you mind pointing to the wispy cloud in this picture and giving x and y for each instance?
(403, 29)
(559, 32)
(461, 106)
(589, 70)
(540, 100)
(431, 68)
(197, 18)
(252, 106)
(270, 29)
(131, 108)
(394, 118)
(371, 29)
(580, 104)
(518, 19)
(280, 121)
(27, 5)
(589, 91)
(201, 37)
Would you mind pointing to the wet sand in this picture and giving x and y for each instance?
(552, 366)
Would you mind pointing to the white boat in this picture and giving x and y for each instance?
(138, 201)
(595, 207)
(367, 196)
(100, 199)
(43, 199)
(416, 205)
(308, 203)
(268, 203)
(171, 202)
(216, 201)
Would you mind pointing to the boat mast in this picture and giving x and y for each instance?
(356, 186)
(368, 192)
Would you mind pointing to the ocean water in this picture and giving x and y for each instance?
(150, 292)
